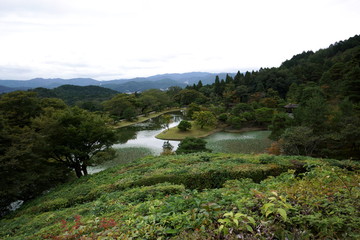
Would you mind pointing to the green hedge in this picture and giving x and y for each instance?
(214, 178)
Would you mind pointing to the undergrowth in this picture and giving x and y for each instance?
(200, 196)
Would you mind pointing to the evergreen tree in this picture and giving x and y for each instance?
(352, 84)
(217, 86)
(199, 85)
(313, 113)
(239, 79)
(228, 79)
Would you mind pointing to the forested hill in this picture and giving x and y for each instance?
(323, 55)
(335, 68)
(83, 96)
(325, 88)
(197, 195)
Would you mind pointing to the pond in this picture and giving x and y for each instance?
(142, 135)
(246, 142)
(139, 140)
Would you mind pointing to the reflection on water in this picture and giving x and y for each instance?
(245, 135)
(247, 142)
(143, 134)
(141, 139)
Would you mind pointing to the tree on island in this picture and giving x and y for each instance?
(73, 136)
(184, 125)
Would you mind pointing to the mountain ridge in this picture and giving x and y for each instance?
(160, 81)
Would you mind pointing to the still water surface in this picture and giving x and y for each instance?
(142, 136)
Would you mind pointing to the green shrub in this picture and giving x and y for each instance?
(265, 159)
(54, 204)
(213, 178)
(191, 145)
(184, 125)
(223, 117)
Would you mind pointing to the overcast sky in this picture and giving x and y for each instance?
(113, 39)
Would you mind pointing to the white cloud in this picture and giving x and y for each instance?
(128, 38)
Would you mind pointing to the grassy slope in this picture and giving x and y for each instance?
(185, 197)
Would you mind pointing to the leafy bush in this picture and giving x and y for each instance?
(299, 141)
(191, 145)
(184, 125)
(223, 117)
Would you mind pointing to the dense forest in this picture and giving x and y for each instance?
(311, 103)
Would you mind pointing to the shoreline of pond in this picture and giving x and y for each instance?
(245, 129)
(181, 135)
(186, 134)
(142, 118)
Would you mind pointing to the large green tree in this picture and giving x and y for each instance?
(122, 106)
(73, 136)
(279, 123)
(263, 116)
(205, 118)
(20, 107)
(24, 174)
(313, 113)
(299, 141)
(188, 96)
(154, 100)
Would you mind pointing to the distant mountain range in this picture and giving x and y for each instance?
(162, 81)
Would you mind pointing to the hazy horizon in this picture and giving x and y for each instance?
(233, 72)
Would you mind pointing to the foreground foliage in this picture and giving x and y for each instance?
(200, 196)
(24, 174)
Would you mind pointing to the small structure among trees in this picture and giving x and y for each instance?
(290, 107)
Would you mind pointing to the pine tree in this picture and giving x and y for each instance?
(199, 85)
(228, 79)
(217, 86)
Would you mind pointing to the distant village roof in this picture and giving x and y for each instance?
(291, 105)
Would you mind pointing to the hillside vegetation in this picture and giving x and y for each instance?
(311, 105)
(200, 196)
(88, 97)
